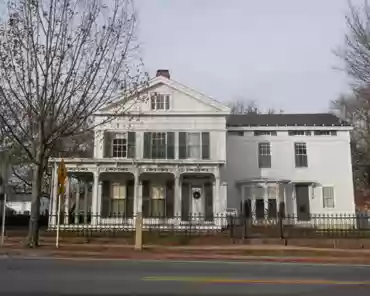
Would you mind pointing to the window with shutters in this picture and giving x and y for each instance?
(300, 151)
(160, 101)
(122, 145)
(159, 145)
(194, 145)
(118, 199)
(328, 197)
(264, 155)
(158, 199)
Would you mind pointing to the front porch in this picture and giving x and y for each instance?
(265, 202)
(110, 195)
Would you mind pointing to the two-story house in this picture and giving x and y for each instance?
(162, 158)
(302, 160)
(177, 156)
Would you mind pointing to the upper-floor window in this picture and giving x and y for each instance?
(299, 133)
(264, 155)
(325, 133)
(160, 101)
(265, 133)
(300, 151)
(120, 145)
(194, 145)
(159, 145)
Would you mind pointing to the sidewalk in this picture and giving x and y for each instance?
(268, 253)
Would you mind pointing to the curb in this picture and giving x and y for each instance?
(144, 255)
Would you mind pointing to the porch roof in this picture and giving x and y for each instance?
(273, 180)
(261, 180)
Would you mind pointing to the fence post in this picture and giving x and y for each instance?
(139, 232)
(281, 219)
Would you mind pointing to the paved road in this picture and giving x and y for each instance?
(20, 276)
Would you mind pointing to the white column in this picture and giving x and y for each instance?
(94, 199)
(86, 194)
(177, 197)
(137, 209)
(99, 200)
(216, 197)
(67, 200)
(265, 200)
(77, 208)
(54, 197)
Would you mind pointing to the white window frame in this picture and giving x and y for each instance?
(165, 144)
(117, 198)
(264, 145)
(200, 146)
(328, 202)
(300, 154)
(160, 101)
(119, 136)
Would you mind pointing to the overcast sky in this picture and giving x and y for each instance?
(277, 52)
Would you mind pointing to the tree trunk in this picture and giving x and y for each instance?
(33, 232)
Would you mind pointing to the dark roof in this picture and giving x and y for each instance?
(318, 119)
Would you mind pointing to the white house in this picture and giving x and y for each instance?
(303, 160)
(179, 157)
(163, 159)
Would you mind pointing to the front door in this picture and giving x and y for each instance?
(303, 202)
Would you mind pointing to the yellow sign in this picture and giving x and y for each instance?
(62, 175)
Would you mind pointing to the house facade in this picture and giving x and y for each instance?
(162, 159)
(179, 158)
(303, 160)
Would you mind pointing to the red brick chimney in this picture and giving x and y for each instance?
(163, 72)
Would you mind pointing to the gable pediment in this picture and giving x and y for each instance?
(182, 100)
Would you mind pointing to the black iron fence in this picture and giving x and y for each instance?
(234, 226)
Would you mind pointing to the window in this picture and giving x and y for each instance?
(264, 155)
(194, 145)
(265, 133)
(299, 133)
(328, 197)
(119, 147)
(300, 151)
(118, 204)
(158, 200)
(236, 133)
(325, 133)
(160, 102)
(159, 145)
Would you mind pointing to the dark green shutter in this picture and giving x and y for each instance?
(170, 199)
(147, 144)
(107, 145)
(131, 139)
(182, 145)
(170, 145)
(146, 198)
(205, 145)
(130, 192)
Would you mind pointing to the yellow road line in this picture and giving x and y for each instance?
(257, 281)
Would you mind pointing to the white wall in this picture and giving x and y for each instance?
(186, 114)
(329, 164)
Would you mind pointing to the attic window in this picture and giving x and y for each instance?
(160, 102)
(325, 133)
(265, 133)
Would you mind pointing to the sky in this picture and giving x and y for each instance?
(276, 52)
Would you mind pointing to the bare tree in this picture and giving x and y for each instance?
(60, 62)
(356, 50)
(355, 107)
(240, 106)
